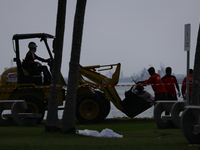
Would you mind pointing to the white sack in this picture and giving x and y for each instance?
(104, 133)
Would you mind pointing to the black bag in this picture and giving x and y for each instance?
(134, 104)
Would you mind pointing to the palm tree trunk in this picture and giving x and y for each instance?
(196, 74)
(68, 120)
(52, 115)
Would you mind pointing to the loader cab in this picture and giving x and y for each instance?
(25, 76)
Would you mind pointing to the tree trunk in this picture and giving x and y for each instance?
(52, 115)
(68, 120)
(196, 74)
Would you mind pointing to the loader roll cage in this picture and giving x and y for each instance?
(16, 38)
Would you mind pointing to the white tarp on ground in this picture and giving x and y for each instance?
(104, 133)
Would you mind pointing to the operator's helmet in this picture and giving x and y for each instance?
(32, 45)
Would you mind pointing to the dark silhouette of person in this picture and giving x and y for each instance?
(170, 82)
(32, 66)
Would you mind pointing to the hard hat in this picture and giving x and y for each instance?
(32, 45)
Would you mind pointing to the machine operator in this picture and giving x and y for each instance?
(30, 63)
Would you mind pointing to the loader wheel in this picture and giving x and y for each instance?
(34, 106)
(90, 108)
(107, 108)
(107, 104)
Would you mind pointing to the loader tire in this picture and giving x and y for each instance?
(107, 104)
(90, 108)
(107, 108)
(34, 106)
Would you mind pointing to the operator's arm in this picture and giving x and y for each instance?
(40, 59)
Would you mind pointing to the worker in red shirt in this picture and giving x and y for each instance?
(31, 66)
(170, 82)
(156, 83)
(31, 56)
(183, 87)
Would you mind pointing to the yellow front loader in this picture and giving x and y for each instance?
(93, 103)
(95, 91)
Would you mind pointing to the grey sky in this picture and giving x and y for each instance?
(136, 33)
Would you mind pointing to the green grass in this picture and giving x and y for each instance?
(137, 134)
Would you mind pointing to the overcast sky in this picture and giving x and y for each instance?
(136, 33)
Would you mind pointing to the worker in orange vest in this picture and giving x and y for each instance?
(170, 82)
(156, 83)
